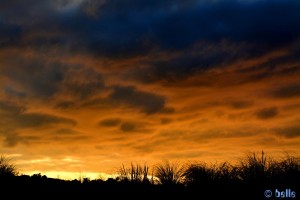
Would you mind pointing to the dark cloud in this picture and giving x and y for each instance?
(233, 103)
(69, 138)
(289, 91)
(9, 109)
(85, 90)
(283, 65)
(146, 102)
(216, 133)
(267, 113)
(42, 78)
(8, 90)
(168, 110)
(289, 132)
(224, 31)
(33, 17)
(274, 64)
(187, 63)
(177, 24)
(9, 34)
(12, 139)
(201, 59)
(204, 34)
(34, 12)
(241, 104)
(110, 122)
(17, 117)
(134, 27)
(65, 131)
(165, 120)
(83, 82)
(127, 127)
(37, 119)
(35, 76)
(14, 118)
(290, 70)
(65, 104)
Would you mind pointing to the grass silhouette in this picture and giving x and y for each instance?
(248, 179)
(169, 173)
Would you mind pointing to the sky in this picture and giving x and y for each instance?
(89, 85)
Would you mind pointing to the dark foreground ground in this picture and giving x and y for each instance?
(41, 187)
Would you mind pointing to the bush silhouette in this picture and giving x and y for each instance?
(7, 169)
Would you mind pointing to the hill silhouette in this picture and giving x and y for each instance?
(254, 177)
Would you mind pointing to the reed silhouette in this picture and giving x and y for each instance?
(248, 179)
(135, 174)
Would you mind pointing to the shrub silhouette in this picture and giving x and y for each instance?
(7, 169)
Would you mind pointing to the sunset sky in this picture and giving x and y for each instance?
(89, 85)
